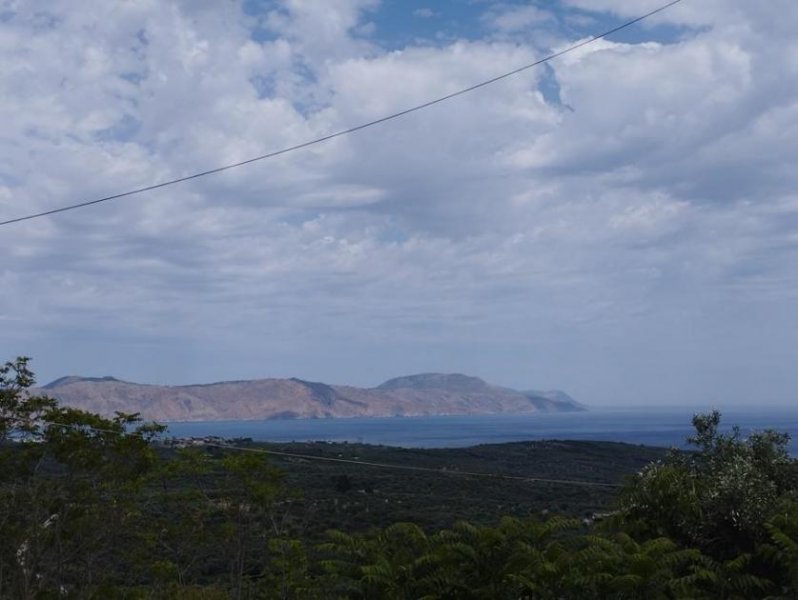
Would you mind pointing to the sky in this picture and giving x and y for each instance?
(621, 223)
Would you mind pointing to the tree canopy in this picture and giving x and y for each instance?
(91, 507)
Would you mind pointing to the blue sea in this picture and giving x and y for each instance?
(656, 427)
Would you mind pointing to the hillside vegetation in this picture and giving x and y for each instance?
(357, 498)
(92, 507)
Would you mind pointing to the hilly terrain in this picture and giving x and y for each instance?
(425, 394)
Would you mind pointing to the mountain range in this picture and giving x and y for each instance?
(424, 394)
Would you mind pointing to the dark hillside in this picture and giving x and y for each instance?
(353, 497)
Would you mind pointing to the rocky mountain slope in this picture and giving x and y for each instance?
(414, 395)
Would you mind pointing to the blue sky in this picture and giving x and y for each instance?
(399, 23)
(619, 224)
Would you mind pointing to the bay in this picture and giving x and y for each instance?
(656, 427)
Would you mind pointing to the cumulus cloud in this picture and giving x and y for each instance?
(640, 229)
(512, 18)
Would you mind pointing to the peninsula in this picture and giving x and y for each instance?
(424, 394)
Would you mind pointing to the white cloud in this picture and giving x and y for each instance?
(512, 18)
(424, 13)
(563, 244)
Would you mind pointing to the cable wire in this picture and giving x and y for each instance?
(363, 463)
(440, 471)
(344, 132)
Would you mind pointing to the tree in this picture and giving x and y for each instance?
(68, 489)
(716, 498)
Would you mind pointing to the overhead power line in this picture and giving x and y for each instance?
(364, 463)
(440, 471)
(344, 132)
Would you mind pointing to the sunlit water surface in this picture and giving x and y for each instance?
(656, 427)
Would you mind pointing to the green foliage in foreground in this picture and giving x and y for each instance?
(88, 511)
(354, 498)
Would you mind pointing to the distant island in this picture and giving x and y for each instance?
(425, 394)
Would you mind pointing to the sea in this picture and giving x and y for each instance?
(668, 427)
